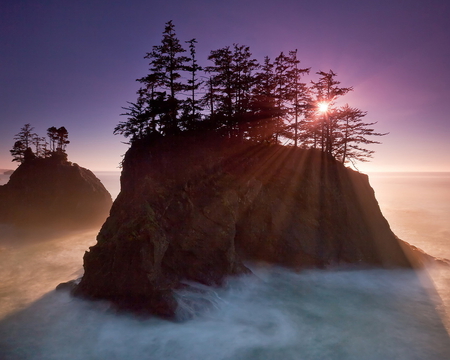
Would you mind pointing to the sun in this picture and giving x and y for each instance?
(322, 106)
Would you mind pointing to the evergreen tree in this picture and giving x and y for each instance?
(23, 141)
(208, 102)
(297, 92)
(280, 91)
(40, 146)
(283, 94)
(166, 64)
(221, 92)
(191, 109)
(264, 103)
(52, 133)
(138, 124)
(326, 91)
(18, 151)
(230, 88)
(148, 103)
(354, 134)
(25, 135)
(63, 139)
(243, 67)
(26, 138)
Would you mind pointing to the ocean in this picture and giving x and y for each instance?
(277, 314)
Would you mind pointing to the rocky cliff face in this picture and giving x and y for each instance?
(53, 192)
(192, 210)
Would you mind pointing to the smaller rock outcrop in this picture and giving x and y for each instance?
(53, 192)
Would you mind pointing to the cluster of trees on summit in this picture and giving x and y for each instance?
(238, 97)
(26, 140)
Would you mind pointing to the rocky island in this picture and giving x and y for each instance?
(199, 209)
(208, 186)
(54, 193)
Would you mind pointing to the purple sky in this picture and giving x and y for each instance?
(74, 64)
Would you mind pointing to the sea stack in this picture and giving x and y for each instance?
(200, 208)
(53, 193)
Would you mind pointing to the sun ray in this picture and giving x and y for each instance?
(323, 106)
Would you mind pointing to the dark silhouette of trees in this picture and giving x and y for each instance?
(52, 133)
(18, 151)
(162, 86)
(354, 135)
(58, 138)
(220, 92)
(63, 138)
(325, 92)
(241, 98)
(25, 135)
(40, 145)
(191, 109)
(23, 141)
(22, 151)
(340, 131)
(283, 94)
(230, 87)
(243, 68)
(300, 98)
(264, 104)
(162, 106)
(138, 123)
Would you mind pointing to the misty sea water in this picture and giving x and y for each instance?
(274, 314)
